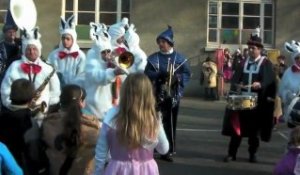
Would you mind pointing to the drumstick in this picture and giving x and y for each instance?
(243, 86)
(246, 86)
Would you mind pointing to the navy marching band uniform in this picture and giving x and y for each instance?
(168, 102)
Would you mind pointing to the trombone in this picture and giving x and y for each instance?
(170, 71)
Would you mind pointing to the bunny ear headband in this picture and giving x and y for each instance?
(68, 27)
(69, 24)
(99, 34)
(293, 48)
(31, 37)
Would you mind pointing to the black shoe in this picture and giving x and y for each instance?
(229, 158)
(252, 159)
(167, 157)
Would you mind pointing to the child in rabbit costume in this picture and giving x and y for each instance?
(99, 73)
(68, 59)
(289, 87)
(117, 32)
(140, 57)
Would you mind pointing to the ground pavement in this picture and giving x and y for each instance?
(201, 147)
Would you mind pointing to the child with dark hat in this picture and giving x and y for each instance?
(169, 72)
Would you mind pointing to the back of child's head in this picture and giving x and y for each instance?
(71, 93)
(22, 92)
(295, 137)
(137, 90)
(137, 117)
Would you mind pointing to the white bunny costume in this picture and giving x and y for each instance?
(98, 77)
(69, 62)
(36, 74)
(289, 87)
(116, 31)
(140, 57)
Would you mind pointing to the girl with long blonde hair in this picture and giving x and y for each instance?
(132, 131)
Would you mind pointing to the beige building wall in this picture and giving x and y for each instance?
(287, 24)
(48, 19)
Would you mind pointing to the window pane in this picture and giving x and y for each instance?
(86, 18)
(86, 5)
(68, 15)
(125, 5)
(251, 9)
(268, 10)
(268, 24)
(268, 37)
(108, 18)
(246, 36)
(250, 22)
(212, 35)
(127, 15)
(69, 5)
(108, 5)
(213, 21)
(230, 8)
(213, 8)
(229, 36)
(83, 32)
(230, 22)
(2, 16)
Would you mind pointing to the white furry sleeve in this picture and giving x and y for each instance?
(163, 143)
(97, 74)
(5, 87)
(54, 89)
(283, 89)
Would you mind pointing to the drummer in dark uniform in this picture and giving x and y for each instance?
(255, 78)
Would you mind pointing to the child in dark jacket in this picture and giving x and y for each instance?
(15, 121)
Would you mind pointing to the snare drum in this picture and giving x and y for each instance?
(241, 102)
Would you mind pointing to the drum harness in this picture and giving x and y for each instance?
(253, 69)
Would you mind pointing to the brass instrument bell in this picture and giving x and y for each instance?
(126, 60)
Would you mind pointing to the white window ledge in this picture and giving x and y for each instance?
(86, 44)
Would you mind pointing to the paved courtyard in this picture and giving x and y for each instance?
(201, 147)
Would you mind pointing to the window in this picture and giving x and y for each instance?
(232, 21)
(3, 8)
(104, 11)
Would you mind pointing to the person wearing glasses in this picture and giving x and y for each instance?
(256, 78)
(100, 72)
(68, 59)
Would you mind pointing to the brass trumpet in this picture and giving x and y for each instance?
(124, 61)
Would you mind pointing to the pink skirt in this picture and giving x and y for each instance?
(133, 167)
